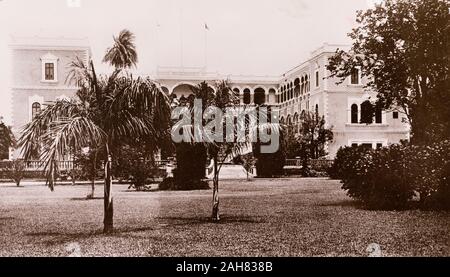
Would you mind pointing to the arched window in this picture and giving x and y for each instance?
(237, 96)
(297, 87)
(302, 90)
(367, 112)
(272, 97)
(35, 109)
(354, 114)
(165, 90)
(247, 96)
(260, 96)
(302, 115)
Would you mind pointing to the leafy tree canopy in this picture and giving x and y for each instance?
(403, 47)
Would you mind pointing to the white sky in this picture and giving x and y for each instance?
(252, 37)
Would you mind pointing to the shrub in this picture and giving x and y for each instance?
(376, 177)
(15, 171)
(89, 165)
(388, 178)
(428, 169)
(344, 160)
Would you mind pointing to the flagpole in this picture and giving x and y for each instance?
(181, 38)
(157, 45)
(206, 47)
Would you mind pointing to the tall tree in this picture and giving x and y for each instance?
(123, 53)
(403, 47)
(6, 140)
(108, 111)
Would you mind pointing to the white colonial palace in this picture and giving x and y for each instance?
(40, 67)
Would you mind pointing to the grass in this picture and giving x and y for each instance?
(286, 217)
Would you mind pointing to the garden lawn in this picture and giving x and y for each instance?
(280, 217)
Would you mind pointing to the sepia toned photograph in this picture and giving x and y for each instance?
(210, 128)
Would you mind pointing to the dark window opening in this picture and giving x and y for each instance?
(367, 145)
(354, 112)
(395, 115)
(367, 112)
(49, 71)
(317, 78)
(355, 76)
(247, 97)
(260, 97)
(378, 116)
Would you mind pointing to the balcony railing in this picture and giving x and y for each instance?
(61, 165)
(39, 165)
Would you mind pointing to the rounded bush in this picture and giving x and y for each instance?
(390, 177)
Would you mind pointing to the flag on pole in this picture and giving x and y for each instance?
(206, 27)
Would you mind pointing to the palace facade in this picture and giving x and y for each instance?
(40, 67)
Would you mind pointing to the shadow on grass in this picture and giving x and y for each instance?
(12, 186)
(53, 238)
(57, 238)
(7, 218)
(86, 198)
(344, 203)
(178, 221)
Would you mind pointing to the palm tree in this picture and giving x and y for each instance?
(123, 54)
(224, 98)
(107, 112)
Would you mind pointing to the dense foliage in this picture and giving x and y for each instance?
(403, 47)
(135, 165)
(390, 177)
(6, 140)
(15, 171)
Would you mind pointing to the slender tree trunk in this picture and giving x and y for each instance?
(108, 200)
(92, 188)
(94, 175)
(215, 211)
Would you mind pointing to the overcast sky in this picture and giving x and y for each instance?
(252, 37)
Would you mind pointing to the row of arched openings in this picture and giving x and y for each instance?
(366, 113)
(295, 89)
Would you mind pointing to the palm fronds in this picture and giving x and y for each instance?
(123, 53)
(31, 138)
(77, 132)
